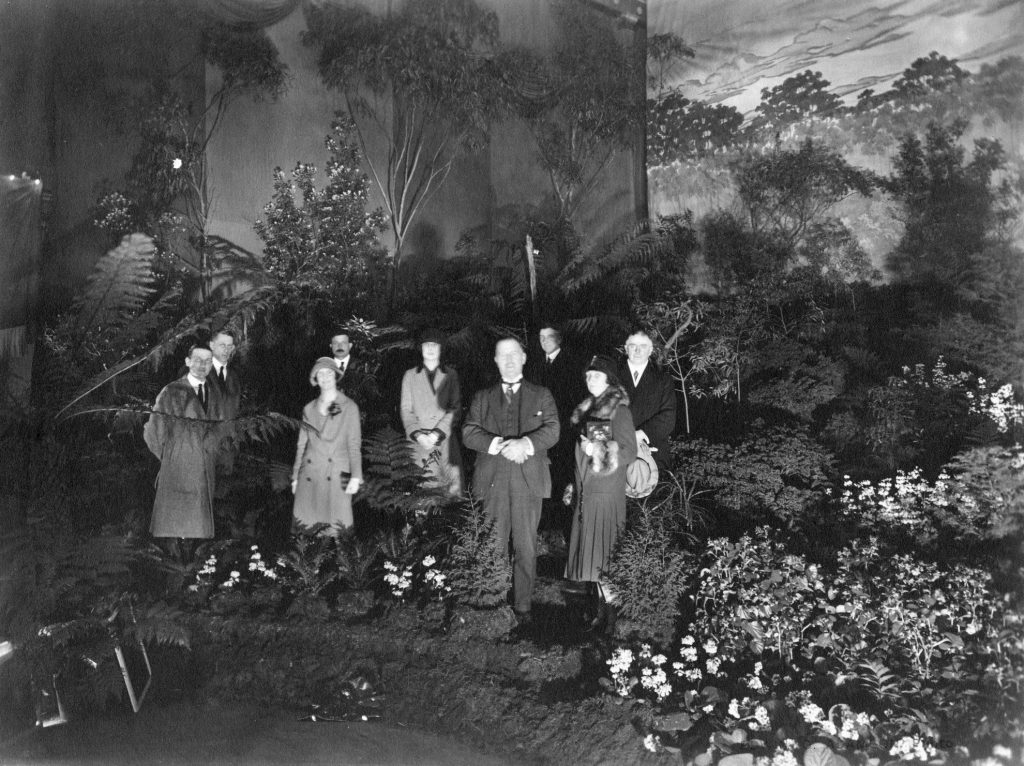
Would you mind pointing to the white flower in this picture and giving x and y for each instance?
(761, 716)
(429, 561)
(811, 712)
(713, 665)
(734, 708)
(651, 743)
(710, 646)
(784, 758)
(177, 163)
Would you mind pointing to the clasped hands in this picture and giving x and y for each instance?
(427, 439)
(516, 450)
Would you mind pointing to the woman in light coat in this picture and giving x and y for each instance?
(328, 466)
(429, 406)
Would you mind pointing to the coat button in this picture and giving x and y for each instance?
(328, 478)
(329, 460)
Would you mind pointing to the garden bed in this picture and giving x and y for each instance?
(507, 693)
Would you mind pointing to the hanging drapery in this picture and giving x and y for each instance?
(258, 13)
(19, 260)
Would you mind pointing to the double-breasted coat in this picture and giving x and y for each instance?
(184, 437)
(327, 455)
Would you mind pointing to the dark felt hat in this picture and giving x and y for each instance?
(605, 364)
(432, 335)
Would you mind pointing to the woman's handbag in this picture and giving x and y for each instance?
(642, 473)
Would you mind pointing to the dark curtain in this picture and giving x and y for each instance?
(19, 260)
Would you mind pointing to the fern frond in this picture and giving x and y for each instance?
(391, 478)
(119, 287)
(160, 623)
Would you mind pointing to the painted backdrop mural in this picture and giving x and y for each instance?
(856, 78)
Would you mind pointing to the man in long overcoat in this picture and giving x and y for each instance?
(511, 426)
(182, 432)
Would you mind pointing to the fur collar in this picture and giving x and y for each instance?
(601, 408)
(604, 458)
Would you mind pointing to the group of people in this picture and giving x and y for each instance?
(562, 435)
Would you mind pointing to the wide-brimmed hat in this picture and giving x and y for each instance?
(323, 363)
(432, 335)
(605, 364)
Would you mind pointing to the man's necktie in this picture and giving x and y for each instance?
(507, 388)
(547, 360)
(202, 394)
(223, 374)
(636, 376)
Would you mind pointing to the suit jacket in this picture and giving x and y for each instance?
(230, 392)
(538, 420)
(359, 383)
(563, 377)
(653, 405)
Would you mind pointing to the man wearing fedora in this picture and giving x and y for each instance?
(511, 426)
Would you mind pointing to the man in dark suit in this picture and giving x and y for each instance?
(562, 375)
(357, 383)
(652, 398)
(224, 378)
(511, 426)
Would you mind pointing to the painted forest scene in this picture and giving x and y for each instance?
(512, 381)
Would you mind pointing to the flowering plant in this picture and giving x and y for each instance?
(419, 579)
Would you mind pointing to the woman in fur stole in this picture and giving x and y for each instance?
(605, 447)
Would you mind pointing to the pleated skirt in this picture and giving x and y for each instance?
(595, 528)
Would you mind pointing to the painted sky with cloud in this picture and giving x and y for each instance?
(743, 46)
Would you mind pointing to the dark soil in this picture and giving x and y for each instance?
(528, 693)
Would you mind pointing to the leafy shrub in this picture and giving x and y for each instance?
(648, 572)
(478, 569)
(308, 567)
(780, 470)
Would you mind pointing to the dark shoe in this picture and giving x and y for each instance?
(576, 587)
(597, 625)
